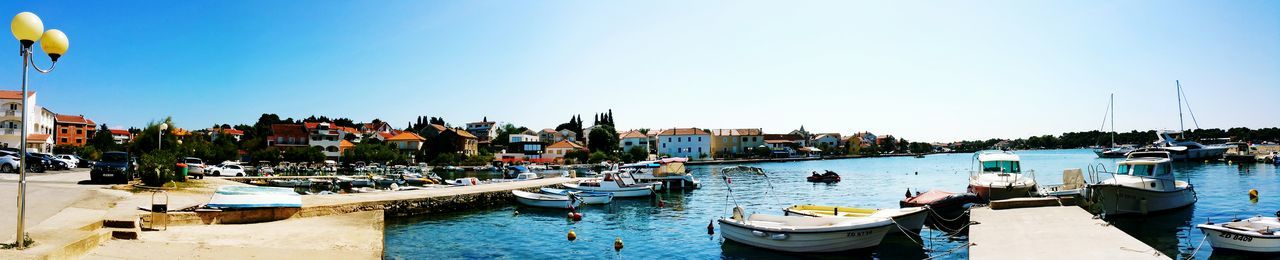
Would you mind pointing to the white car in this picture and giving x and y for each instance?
(195, 166)
(8, 163)
(58, 163)
(227, 169)
(75, 161)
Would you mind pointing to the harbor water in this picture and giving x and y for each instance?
(677, 226)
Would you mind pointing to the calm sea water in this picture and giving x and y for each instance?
(678, 229)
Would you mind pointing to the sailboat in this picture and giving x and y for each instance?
(1113, 151)
(1181, 149)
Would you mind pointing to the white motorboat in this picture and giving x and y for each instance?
(1180, 150)
(1256, 234)
(248, 197)
(909, 218)
(587, 197)
(546, 200)
(804, 234)
(1142, 183)
(524, 176)
(468, 181)
(621, 184)
(669, 171)
(1000, 177)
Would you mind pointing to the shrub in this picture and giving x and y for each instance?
(157, 168)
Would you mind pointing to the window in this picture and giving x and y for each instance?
(744, 139)
(79, 131)
(1001, 166)
(64, 139)
(699, 139)
(668, 139)
(64, 130)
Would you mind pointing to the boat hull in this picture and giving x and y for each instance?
(545, 201)
(911, 218)
(989, 193)
(617, 193)
(593, 198)
(828, 241)
(1197, 154)
(1220, 237)
(1119, 200)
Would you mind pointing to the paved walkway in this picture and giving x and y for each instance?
(355, 198)
(47, 194)
(1062, 232)
(347, 236)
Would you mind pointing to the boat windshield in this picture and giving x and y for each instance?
(1148, 170)
(1001, 166)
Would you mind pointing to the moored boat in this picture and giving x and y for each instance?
(249, 197)
(618, 183)
(1142, 183)
(742, 169)
(468, 181)
(1256, 234)
(909, 218)
(804, 234)
(546, 200)
(1000, 177)
(668, 171)
(586, 196)
(948, 207)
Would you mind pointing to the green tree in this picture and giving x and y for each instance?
(603, 139)
(638, 153)
(103, 141)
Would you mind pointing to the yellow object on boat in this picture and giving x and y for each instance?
(822, 210)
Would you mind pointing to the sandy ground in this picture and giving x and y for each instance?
(347, 236)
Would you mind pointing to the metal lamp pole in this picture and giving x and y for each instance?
(28, 28)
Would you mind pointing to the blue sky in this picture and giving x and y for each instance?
(923, 71)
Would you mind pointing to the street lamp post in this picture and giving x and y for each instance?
(28, 29)
(160, 140)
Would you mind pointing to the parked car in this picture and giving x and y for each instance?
(74, 160)
(195, 166)
(8, 162)
(114, 167)
(54, 162)
(226, 168)
(82, 162)
(36, 163)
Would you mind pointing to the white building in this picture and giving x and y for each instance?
(633, 139)
(323, 136)
(39, 125)
(483, 130)
(685, 142)
(832, 140)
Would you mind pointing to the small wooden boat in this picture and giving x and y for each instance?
(612, 182)
(249, 197)
(909, 218)
(290, 183)
(827, 177)
(804, 234)
(546, 200)
(587, 197)
(1256, 234)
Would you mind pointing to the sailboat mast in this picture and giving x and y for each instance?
(1113, 118)
(1181, 129)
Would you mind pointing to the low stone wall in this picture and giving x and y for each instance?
(421, 206)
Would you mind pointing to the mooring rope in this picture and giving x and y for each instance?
(1194, 252)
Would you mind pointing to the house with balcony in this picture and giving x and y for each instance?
(727, 143)
(484, 131)
(73, 130)
(216, 133)
(288, 135)
(692, 143)
(323, 136)
(407, 142)
(466, 143)
(40, 122)
(121, 136)
(633, 138)
(522, 147)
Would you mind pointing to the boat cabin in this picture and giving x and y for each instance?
(659, 168)
(1147, 170)
(1002, 162)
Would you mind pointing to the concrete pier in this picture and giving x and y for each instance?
(1058, 232)
(416, 202)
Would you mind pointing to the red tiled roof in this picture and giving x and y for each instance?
(294, 130)
(406, 136)
(385, 135)
(566, 144)
(633, 134)
(786, 137)
(37, 138)
(735, 132)
(464, 134)
(119, 132)
(345, 144)
(73, 119)
(14, 94)
(347, 129)
(311, 125)
(683, 131)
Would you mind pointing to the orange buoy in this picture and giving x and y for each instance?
(572, 236)
(617, 244)
(1253, 194)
